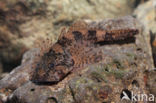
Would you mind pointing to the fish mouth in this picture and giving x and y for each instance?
(41, 81)
(46, 79)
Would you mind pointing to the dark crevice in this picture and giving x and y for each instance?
(32, 89)
(73, 94)
(138, 2)
(52, 100)
(9, 66)
(135, 82)
(152, 38)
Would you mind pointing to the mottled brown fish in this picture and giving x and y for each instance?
(77, 48)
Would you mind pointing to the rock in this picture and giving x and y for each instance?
(146, 13)
(22, 27)
(18, 76)
(151, 83)
(123, 69)
(89, 9)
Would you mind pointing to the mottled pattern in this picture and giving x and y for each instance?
(75, 49)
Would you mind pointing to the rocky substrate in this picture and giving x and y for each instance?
(127, 66)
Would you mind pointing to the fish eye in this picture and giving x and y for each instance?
(51, 65)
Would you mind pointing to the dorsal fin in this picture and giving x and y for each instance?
(78, 25)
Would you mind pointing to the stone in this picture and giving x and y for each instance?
(146, 14)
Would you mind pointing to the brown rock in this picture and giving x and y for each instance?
(20, 27)
(20, 74)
